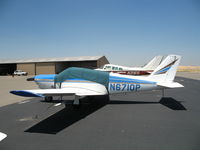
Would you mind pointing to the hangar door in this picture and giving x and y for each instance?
(29, 68)
(45, 68)
(7, 69)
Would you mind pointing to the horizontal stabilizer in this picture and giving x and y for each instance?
(170, 84)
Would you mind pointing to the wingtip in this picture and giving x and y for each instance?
(25, 94)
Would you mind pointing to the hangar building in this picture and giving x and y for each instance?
(51, 65)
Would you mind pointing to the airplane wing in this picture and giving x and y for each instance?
(79, 91)
(170, 84)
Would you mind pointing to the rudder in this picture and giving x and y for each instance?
(166, 71)
(154, 63)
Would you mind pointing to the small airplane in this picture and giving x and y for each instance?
(2, 136)
(81, 82)
(146, 69)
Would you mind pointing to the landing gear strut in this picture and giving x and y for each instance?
(76, 103)
(163, 93)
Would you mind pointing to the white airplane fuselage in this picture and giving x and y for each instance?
(82, 82)
(146, 69)
(117, 83)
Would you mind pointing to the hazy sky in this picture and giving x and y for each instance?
(127, 32)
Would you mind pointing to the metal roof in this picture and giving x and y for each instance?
(61, 59)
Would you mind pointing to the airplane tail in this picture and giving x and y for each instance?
(165, 73)
(154, 63)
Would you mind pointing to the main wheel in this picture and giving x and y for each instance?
(48, 98)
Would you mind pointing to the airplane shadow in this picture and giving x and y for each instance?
(172, 103)
(166, 101)
(69, 115)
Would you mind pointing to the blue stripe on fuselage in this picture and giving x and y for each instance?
(45, 76)
(128, 80)
(50, 78)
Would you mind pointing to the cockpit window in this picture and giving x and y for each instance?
(107, 67)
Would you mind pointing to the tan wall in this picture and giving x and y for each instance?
(29, 68)
(45, 68)
(84, 64)
(52, 68)
(61, 66)
(102, 61)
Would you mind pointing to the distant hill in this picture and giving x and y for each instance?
(189, 68)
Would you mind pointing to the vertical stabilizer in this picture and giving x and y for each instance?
(154, 63)
(166, 71)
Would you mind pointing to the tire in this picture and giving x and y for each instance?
(48, 98)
